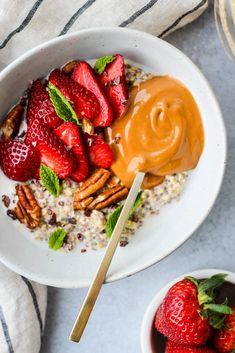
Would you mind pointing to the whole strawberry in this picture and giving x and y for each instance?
(224, 340)
(177, 348)
(18, 161)
(187, 313)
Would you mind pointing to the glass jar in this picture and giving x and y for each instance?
(225, 24)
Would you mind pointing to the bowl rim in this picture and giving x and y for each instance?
(148, 318)
(42, 279)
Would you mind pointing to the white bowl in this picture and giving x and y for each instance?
(149, 316)
(159, 235)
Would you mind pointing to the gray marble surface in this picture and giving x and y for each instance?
(115, 324)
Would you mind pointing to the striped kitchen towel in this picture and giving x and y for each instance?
(26, 23)
(22, 313)
(23, 25)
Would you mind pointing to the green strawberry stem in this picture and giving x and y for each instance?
(215, 313)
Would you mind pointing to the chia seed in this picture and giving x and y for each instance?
(6, 200)
(11, 214)
(117, 139)
(52, 221)
(80, 236)
(72, 220)
(88, 213)
(123, 243)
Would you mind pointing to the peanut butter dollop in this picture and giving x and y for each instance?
(161, 134)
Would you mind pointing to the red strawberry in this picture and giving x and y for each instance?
(85, 102)
(177, 348)
(40, 106)
(113, 82)
(178, 317)
(53, 151)
(18, 161)
(224, 340)
(69, 133)
(99, 152)
(84, 74)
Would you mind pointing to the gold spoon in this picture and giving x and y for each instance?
(100, 275)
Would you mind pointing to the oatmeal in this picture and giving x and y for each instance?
(77, 189)
(89, 228)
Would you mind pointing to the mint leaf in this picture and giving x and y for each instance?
(136, 203)
(113, 218)
(61, 105)
(50, 180)
(101, 63)
(56, 239)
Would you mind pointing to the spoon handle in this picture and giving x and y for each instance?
(100, 275)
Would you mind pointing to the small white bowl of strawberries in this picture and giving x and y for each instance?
(193, 314)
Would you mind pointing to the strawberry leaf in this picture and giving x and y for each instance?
(113, 218)
(56, 239)
(101, 63)
(61, 105)
(193, 280)
(218, 308)
(50, 180)
(206, 288)
(217, 321)
(212, 282)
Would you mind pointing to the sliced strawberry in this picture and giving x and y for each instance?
(53, 151)
(85, 102)
(69, 133)
(99, 152)
(19, 161)
(113, 82)
(84, 74)
(40, 106)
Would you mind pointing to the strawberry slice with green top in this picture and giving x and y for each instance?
(40, 106)
(53, 152)
(69, 133)
(99, 152)
(113, 82)
(188, 312)
(85, 102)
(85, 76)
(18, 161)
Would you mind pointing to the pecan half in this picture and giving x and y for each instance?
(95, 182)
(109, 197)
(81, 205)
(112, 181)
(11, 124)
(100, 190)
(69, 67)
(27, 209)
